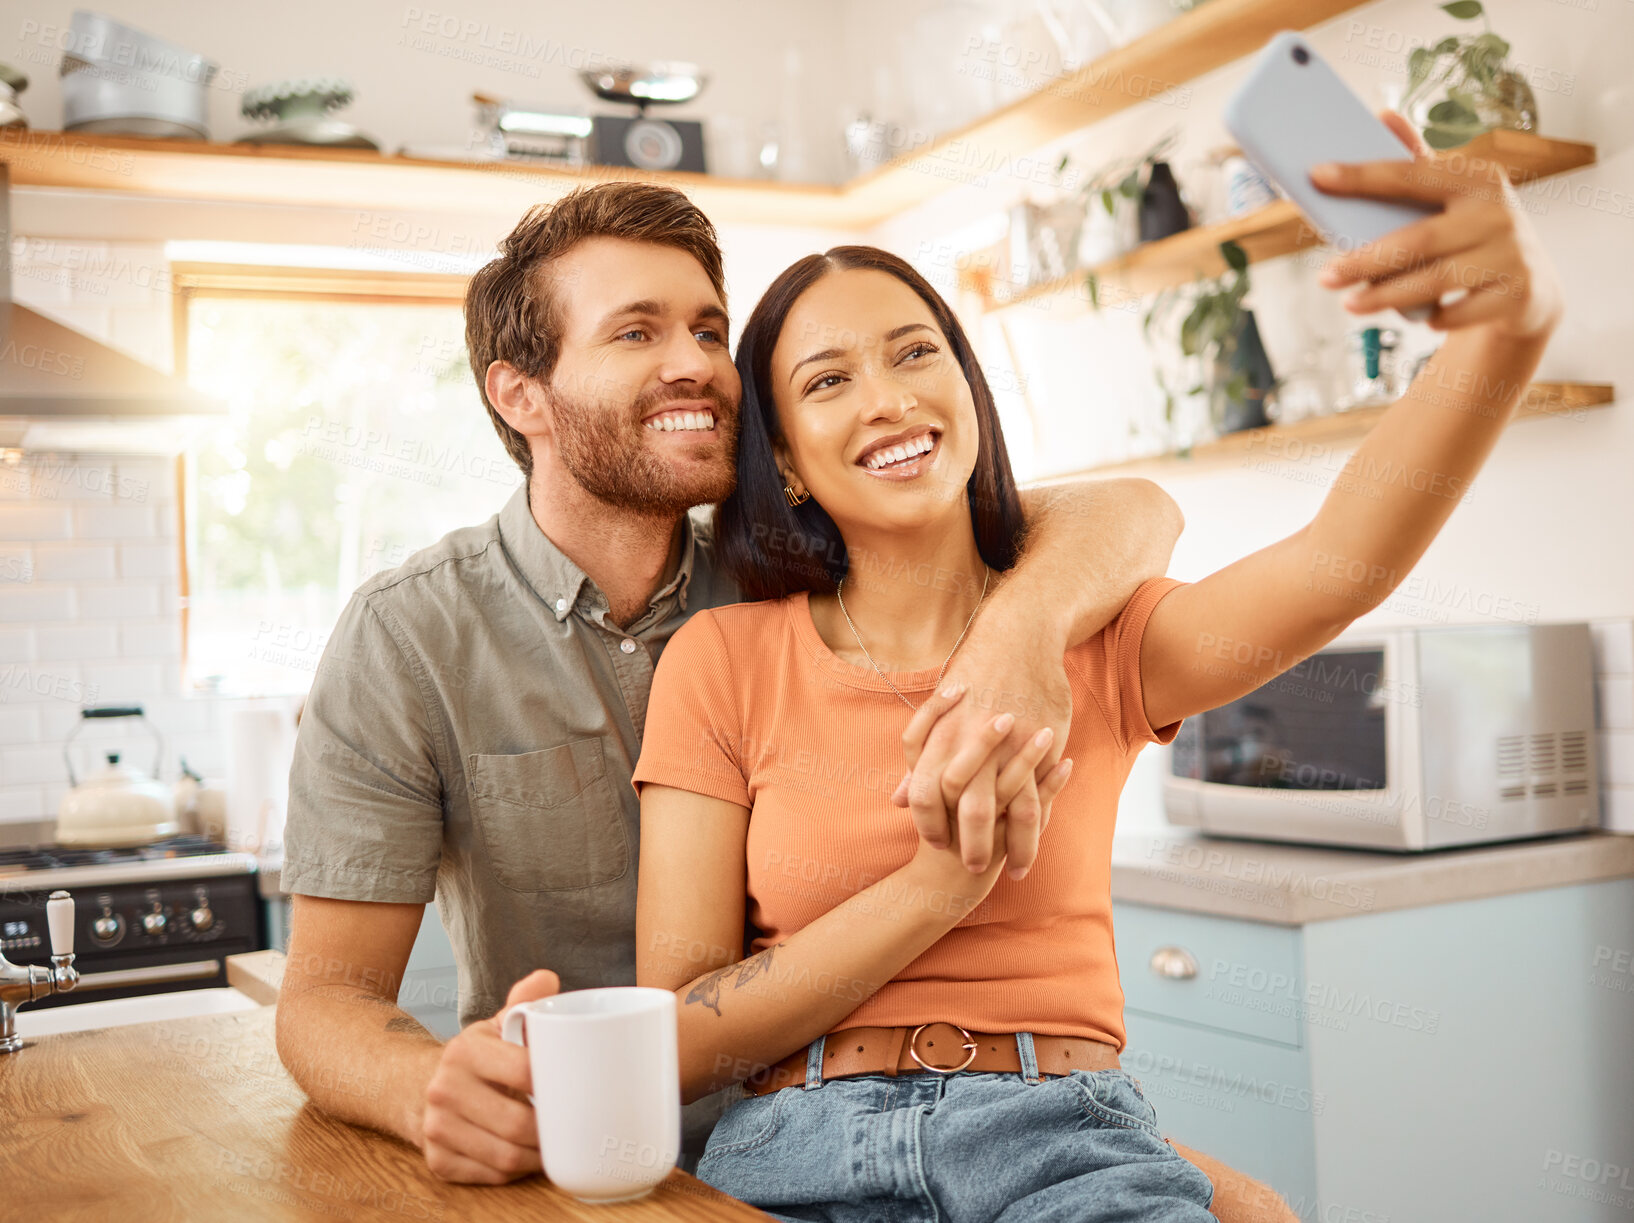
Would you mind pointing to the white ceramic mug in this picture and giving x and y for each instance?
(606, 1087)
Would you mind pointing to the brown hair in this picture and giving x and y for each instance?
(510, 314)
(772, 549)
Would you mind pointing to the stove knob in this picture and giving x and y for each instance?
(155, 922)
(202, 918)
(106, 928)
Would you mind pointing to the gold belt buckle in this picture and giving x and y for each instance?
(969, 1045)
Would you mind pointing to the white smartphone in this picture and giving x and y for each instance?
(1294, 112)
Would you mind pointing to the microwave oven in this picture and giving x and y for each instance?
(1402, 739)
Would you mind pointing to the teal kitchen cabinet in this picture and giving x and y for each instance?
(1464, 1060)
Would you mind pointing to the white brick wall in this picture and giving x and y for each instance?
(115, 291)
(89, 610)
(89, 615)
(1614, 692)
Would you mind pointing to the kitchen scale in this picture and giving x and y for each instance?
(641, 142)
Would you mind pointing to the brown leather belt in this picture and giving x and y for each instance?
(940, 1048)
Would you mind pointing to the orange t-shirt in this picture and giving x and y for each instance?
(749, 705)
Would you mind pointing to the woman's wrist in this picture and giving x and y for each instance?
(940, 883)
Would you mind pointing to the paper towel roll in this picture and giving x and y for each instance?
(260, 747)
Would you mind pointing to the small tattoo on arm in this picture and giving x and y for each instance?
(707, 989)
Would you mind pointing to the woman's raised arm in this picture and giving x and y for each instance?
(1216, 639)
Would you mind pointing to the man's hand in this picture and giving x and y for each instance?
(965, 767)
(477, 1125)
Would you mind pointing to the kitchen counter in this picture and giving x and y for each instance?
(198, 1119)
(1291, 885)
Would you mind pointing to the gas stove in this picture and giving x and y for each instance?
(147, 919)
(183, 857)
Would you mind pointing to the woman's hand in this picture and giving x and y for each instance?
(949, 885)
(1480, 242)
(983, 794)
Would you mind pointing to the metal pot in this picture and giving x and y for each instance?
(117, 804)
(120, 81)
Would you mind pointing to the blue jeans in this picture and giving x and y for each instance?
(958, 1148)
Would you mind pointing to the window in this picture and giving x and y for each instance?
(354, 438)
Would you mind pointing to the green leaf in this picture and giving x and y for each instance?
(1236, 258)
(1092, 283)
(1189, 331)
(1446, 46)
(1452, 113)
(1478, 66)
(1467, 98)
(1129, 188)
(1196, 389)
(1450, 137)
(1463, 10)
(1418, 67)
(1106, 202)
(1060, 166)
(1492, 45)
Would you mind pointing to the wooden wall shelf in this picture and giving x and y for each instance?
(1277, 229)
(196, 170)
(1294, 441)
(993, 147)
(1212, 34)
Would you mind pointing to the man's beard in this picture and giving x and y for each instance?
(605, 451)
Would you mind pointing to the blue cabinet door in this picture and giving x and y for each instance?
(1245, 977)
(1245, 1101)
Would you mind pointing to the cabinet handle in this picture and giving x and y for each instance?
(1175, 963)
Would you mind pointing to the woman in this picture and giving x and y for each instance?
(920, 1040)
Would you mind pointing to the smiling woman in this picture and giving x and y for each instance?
(910, 345)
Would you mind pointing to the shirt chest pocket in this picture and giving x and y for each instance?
(549, 820)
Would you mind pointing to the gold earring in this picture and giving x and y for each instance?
(788, 495)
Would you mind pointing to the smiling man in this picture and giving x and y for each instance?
(472, 729)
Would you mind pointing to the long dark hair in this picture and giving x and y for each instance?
(774, 549)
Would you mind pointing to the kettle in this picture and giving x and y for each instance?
(116, 805)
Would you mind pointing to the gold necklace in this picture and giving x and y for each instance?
(840, 593)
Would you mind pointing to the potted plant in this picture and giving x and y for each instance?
(1219, 347)
(1461, 87)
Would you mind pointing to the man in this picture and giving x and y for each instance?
(471, 731)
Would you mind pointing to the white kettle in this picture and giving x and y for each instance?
(116, 805)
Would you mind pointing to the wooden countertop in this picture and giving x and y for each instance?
(198, 1119)
(1290, 885)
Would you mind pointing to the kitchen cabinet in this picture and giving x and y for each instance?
(1455, 1060)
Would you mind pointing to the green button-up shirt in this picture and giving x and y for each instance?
(469, 737)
